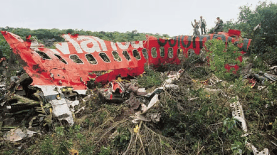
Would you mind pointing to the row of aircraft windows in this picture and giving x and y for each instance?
(116, 56)
(91, 59)
(154, 53)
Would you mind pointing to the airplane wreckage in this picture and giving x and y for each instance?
(56, 78)
(70, 70)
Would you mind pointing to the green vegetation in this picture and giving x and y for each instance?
(264, 38)
(221, 54)
(150, 78)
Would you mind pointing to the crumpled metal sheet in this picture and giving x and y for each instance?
(61, 105)
(152, 102)
(270, 76)
(265, 151)
(154, 99)
(114, 91)
(18, 134)
(237, 112)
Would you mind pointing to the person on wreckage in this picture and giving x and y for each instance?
(195, 28)
(219, 26)
(202, 24)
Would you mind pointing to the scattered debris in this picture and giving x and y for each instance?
(237, 113)
(265, 151)
(18, 134)
(154, 98)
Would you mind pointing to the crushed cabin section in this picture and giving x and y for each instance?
(169, 50)
(81, 58)
(76, 61)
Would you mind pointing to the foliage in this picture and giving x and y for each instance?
(202, 122)
(272, 92)
(150, 78)
(221, 54)
(266, 36)
(121, 141)
(5, 48)
(105, 150)
(47, 146)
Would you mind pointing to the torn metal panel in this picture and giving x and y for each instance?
(152, 102)
(139, 117)
(18, 134)
(250, 146)
(153, 99)
(62, 107)
(237, 112)
(270, 76)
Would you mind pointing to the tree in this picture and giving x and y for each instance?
(264, 36)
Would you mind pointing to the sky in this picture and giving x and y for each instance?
(172, 17)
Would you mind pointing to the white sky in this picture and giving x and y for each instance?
(172, 17)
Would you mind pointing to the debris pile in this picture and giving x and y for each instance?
(27, 110)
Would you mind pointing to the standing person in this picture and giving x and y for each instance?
(202, 24)
(218, 26)
(195, 28)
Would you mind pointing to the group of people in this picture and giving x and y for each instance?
(202, 24)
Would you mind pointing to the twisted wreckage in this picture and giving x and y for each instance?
(58, 76)
(85, 60)
(76, 65)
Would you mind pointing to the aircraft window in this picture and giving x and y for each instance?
(60, 58)
(91, 59)
(162, 51)
(43, 55)
(136, 54)
(154, 52)
(126, 55)
(191, 52)
(104, 57)
(76, 59)
(145, 54)
(170, 52)
(116, 56)
(180, 53)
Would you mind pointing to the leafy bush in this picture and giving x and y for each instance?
(105, 150)
(121, 141)
(150, 79)
(220, 55)
(47, 146)
(266, 34)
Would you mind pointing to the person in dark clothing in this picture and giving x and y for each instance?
(218, 26)
(202, 24)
